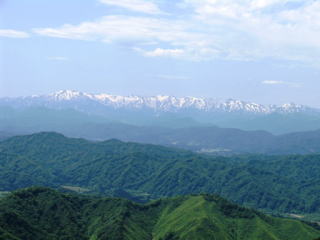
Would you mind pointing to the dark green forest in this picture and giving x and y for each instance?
(142, 172)
(44, 214)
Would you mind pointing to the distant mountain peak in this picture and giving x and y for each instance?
(160, 103)
(67, 95)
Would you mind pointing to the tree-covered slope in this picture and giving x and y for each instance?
(40, 213)
(286, 184)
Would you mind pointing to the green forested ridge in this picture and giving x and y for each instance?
(41, 213)
(284, 184)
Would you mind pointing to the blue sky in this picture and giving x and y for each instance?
(266, 51)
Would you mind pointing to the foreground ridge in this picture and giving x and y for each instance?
(41, 213)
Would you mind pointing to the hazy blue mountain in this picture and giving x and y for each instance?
(199, 138)
(189, 135)
(169, 111)
(5, 135)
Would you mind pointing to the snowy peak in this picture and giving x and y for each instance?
(292, 107)
(68, 95)
(159, 103)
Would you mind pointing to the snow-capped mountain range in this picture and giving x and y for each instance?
(160, 103)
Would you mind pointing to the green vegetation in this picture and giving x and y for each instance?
(41, 213)
(3, 194)
(76, 189)
(278, 184)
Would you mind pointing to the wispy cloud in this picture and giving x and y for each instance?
(135, 5)
(121, 28)
(274, 82)
(224, 29)
(10, 33)
(160, 52)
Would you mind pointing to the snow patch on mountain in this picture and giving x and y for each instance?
(156, 103)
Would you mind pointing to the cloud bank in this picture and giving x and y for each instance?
(242, 30)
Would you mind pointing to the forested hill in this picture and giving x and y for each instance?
(286, 184)
(43, 214)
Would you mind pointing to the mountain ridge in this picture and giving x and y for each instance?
(41, 213)
(282, 184)
(159, 103)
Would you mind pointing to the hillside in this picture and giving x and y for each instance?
(284, 184)
(40, 213)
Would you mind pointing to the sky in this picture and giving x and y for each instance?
(265, 51)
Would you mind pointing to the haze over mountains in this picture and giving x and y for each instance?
(173, 112)
(174, 132)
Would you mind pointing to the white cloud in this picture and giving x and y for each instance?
(258, 29)
(260, 4)
(274, 82)
(210, 29)
(135, 5)
(13, 33)
(160, 52)
(138, 32)
(122, 28)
